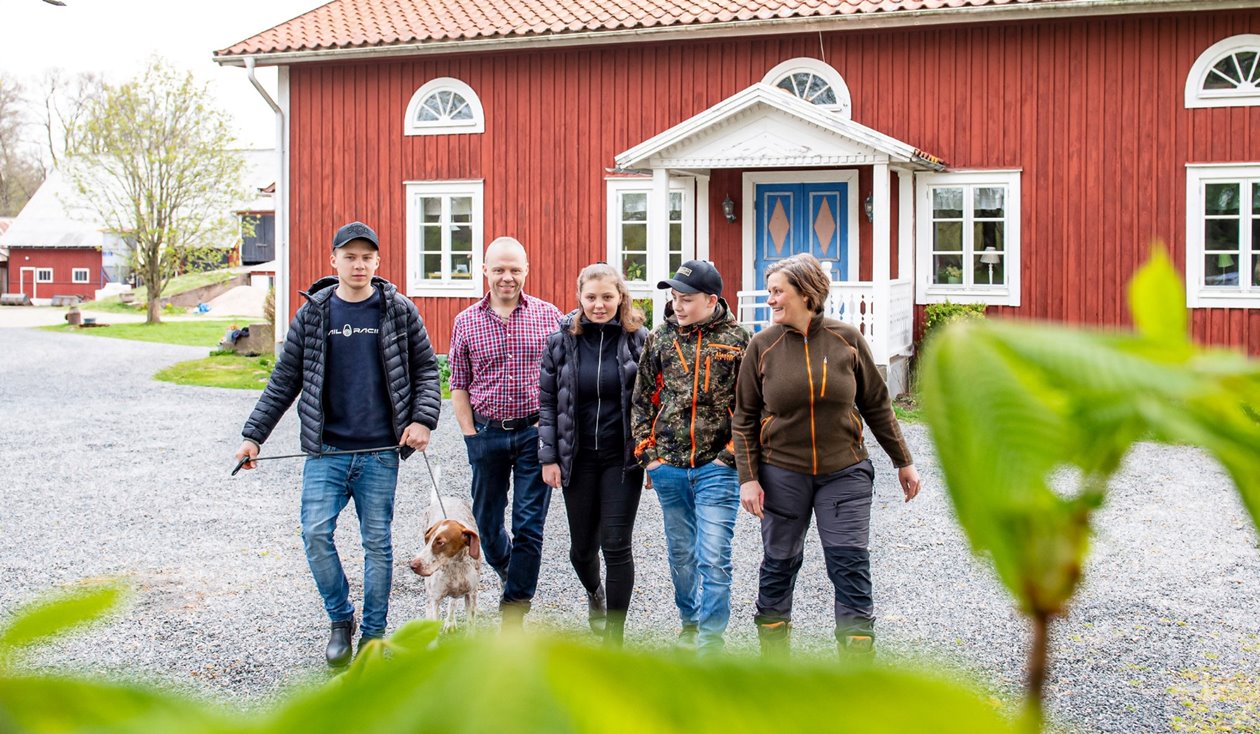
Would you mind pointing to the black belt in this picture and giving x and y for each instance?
(511, 424)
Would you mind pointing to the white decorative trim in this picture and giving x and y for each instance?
(44, 275)
(419, 287)
(412, 125)
(844, 102)
(1199, 175)
(749, 214)
(1245, 95)
(75, 275)
(926, 291)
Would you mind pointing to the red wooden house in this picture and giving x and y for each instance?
(1020, 153)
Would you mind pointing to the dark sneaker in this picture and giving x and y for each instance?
(513, 616)
(365, 644)
(856, 647)
(688, 638)
(339, 643)
(774, 638)
(597, 610)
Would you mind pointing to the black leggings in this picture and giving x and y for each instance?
(601, 504)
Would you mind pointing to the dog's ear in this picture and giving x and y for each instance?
(428, 534)
(474, 543)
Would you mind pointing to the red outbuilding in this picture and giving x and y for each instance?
(1023, 154)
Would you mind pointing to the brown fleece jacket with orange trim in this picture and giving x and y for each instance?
(800, 401)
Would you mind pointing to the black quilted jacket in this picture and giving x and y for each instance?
(557, 392)
(411, 372)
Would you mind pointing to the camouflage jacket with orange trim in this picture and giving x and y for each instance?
(685, 392)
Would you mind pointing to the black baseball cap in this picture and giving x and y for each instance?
(695, 276)
(355, 231)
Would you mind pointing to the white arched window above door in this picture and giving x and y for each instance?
(444, 106)
(1227, 74)
(813, 81)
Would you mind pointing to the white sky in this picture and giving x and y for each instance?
(117, 37)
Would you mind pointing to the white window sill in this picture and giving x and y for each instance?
(445, 289)
(1215, 298)
(962, 294)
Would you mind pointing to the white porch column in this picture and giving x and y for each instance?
(702, 217)
(881, 261)
(658, 240)
(905, 225)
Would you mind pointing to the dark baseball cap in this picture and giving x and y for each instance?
(355, 231)
(695, 276)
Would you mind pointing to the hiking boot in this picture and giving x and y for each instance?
(775, 638)
(365, 643)
(597, 610)
(688, 638)
(856, 642)
(339, 643)
(513, 616)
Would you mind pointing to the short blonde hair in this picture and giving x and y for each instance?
(630, 316)
(807, 276)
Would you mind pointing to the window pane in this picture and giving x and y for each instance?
(1220, 270)
(947, 203)
(786, 84)
(675, 206)
(461, 208)
(990, 202)
(634, 207)
(1221, 234)
(1247, 62)
(461, 238)
(461, 266)
(1226, 69)
(828, 96)
(634, 237)
(431, 109)
(430, 209)
(433, 267)
(1221, 198)
(634, 266)
(1255, 199)
(463, 112)
(989, 234)
(1255, 270)
(445, 98)
(675, 237)
(989, 269)
(947, 269)
(816, 87)
(431, 238)
(675, 261)
(948, 236)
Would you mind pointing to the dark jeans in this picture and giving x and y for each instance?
(841, 503)
(497, 458)
(602, 499)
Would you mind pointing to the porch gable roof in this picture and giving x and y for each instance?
(763, 126)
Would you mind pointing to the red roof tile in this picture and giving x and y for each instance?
(348, 24)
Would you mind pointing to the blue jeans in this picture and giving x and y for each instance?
(699, 506)
(328, 483)
(497, 457)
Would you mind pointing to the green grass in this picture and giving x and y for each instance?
(907, 409)
(187, 333)
(177, 285)
(221, 370)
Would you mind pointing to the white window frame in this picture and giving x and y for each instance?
(1197, 96)
(80, 275)
(657, 267)
(1198, 176)
(420, 287)
(1007, 294)
(44, 275)
(414, 126)
(844, 101)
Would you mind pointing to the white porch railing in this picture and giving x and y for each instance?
(888, 328)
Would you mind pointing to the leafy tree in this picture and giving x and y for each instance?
(21, 171)
(67, 99)
(153, 158)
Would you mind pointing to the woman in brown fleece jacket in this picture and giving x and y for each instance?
(805, 385)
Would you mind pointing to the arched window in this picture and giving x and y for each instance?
(814, 82)
(1227, 74)
(444, 106)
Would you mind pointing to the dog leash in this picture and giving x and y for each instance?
(437, 492)
(246, 460)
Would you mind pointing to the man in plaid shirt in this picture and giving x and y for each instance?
(496, 350)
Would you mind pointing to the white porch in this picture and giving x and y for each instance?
(764, 128)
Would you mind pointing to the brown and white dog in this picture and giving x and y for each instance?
(450, 560)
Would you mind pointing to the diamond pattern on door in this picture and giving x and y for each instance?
(825, 227)
(780, 226)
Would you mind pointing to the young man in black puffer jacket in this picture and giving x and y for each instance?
(584, 439)
(359, 355)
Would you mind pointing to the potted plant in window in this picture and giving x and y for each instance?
(951, 274)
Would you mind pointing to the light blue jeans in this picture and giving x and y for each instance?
(328, 483)
(699, 506)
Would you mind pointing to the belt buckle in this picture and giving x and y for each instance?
(509, 424)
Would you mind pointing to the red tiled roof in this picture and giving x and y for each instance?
(348, 24)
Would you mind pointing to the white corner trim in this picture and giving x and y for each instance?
(414, 126)
(1247, 95)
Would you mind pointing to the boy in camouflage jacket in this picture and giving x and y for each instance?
(683, 400)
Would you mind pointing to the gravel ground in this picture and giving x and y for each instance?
(113, 474)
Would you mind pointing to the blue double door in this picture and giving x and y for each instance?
(802, 217)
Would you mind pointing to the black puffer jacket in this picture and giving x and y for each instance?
(557, 394)
(411, 372)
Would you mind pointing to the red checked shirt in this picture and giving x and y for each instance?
(497, 361)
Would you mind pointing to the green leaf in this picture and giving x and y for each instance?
(54, 704)
(1157, 299)
(58, 614)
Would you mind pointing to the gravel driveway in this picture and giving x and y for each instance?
(110, 473)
